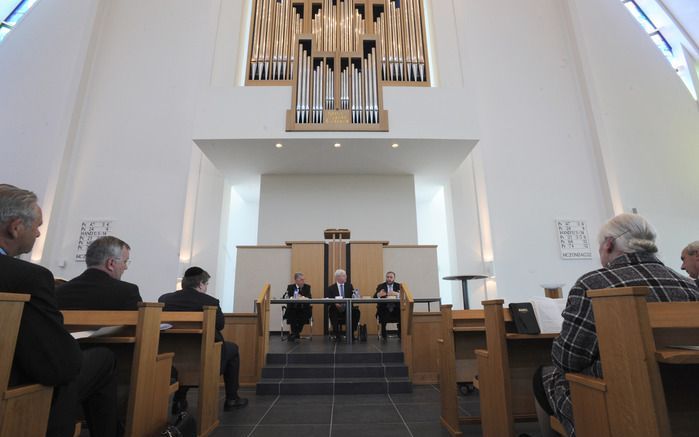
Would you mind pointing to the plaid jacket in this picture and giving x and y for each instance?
(576, 349)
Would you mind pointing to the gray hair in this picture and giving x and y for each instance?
(339, 272)
(297, 275)
(631, 233)
(103, 248)
(16, 203)
(692, 248)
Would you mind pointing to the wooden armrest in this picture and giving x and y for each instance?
(557, 426)
(469, 329)
(481, 353)
(677, 356)
(515, 336)
(475, 383)
(587, 381)
(182, 331)
(109, 340)
(25, 390)
(173, 388)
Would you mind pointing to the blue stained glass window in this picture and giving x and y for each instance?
(9, 22)
(650, 28)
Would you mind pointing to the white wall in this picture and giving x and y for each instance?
(537, 158)
(647, 122)
(42, 65)
(416, 266)
(133, 148)
(372, 207)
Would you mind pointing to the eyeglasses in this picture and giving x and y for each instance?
(126, 263)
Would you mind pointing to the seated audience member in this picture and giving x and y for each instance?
(298, 314)
(100, 286)
(627, 252)
(45, 352)
(690, 261)
(337, 312)
(193, 297)
(388, 312)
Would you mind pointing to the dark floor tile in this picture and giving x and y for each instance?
(249, 415)
(298, 415)
(431, 429)
(305, 400)
(294, 430)
(428, 412)
(375, 414)
(419, 395)
(232, 431)
(371, 430)
(370, 399)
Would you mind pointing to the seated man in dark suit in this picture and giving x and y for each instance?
(337, 312)
(298, 314)
(45, 352)
(388, 312)
(193, 297)
(100, 286)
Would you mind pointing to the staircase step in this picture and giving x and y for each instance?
(313, 386)
(345, 370)
(327, 358)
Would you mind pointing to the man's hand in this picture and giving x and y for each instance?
(382, 294)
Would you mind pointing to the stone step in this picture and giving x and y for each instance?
(347, 370)
(337, 358)
(316, 386)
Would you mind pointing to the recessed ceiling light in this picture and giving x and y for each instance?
(338, 145)
(395, 145)
(279, 145)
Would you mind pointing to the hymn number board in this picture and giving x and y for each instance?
(574, 239)
(337, 55)
(90, 230)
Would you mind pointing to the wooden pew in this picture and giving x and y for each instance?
(139, 366)
(262, 310)
(419, 330)
(462, 332)
(505, 371)
(24, 410)
(197, 359)
(648, 388)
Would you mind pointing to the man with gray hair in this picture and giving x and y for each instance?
(627, 253)
(337, 312)
(690, 260)
(45, 352)
(100, 286)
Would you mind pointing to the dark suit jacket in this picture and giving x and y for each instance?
(302, 310)
(383, 286)
(190, 299)
(333, 290)
(45, 353)
(386, 307)
(96, 290)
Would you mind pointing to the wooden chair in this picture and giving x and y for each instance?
(648, 388)
(197, 359)
(140, 367)
(505, 371)
(24, 410)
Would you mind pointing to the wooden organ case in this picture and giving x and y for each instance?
(337, 55)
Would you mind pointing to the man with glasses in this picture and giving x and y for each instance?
(100, 286)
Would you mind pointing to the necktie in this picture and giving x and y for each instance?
(342, 290)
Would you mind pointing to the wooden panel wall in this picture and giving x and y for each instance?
(366, 265)
(427, 328)
(242, 330)
(308, 257)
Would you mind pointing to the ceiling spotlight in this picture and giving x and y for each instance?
(338, 145)
(279, 145)
(395, 145)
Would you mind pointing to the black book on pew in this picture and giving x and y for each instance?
(524, 318)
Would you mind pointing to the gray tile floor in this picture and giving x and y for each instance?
(413, 414)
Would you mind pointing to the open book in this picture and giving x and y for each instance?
(548, 313)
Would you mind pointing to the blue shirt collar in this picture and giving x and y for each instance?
(2, 251)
